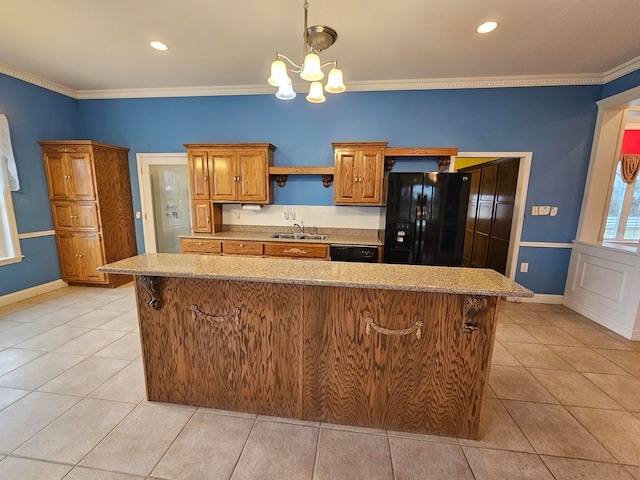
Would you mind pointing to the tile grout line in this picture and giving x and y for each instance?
(244, 446)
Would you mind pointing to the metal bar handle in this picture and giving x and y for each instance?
(416, 327)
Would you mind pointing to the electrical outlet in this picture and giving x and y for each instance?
(286, 215)
(535, 211)
(236, 214)
(554, 211)
(292, 216)
(545, 210)
(524, 267)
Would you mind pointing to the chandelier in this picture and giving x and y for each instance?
(316, 39)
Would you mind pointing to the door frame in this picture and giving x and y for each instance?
(144, 161)
(519, 204)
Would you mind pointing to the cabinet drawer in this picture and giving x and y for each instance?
(297, 250)
(241, 248)
(200, 245)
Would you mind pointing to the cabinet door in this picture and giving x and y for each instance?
(201, 216)
(225, 179)
(387, 378)
(346, 180)
(230, 247)
(197, 352)
(253, 177)
(370, 173)
(86, 216)
(319, 251)
(82, 185)
(91, 256)
(62, 213)
(70, 270)
(199, 175)
(55, 167)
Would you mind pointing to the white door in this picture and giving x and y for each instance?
(164, 198)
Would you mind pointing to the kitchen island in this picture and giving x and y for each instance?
(399, 347)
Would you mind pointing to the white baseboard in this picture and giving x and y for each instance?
(610, 323)
(31, 292)
(539, 298)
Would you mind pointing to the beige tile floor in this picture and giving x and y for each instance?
(563, 402)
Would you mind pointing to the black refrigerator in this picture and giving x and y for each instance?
(425, 218)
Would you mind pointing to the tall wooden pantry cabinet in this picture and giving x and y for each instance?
(90, 193)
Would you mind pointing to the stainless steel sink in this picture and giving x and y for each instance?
(300, 236)
(315, 236)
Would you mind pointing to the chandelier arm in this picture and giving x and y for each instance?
(332, 62)
(293, 64)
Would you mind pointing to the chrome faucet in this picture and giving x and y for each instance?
(301, 226)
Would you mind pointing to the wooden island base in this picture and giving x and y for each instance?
(392, 359)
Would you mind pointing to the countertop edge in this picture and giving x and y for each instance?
(165, 271)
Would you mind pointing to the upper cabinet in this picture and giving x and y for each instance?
(70, 175)
(225, 173)
(359, 173)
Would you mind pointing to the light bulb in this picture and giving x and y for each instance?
(315, 93)
(285, 92)
(487, 27)
(335, 84)
(278, 73)
(312, 71)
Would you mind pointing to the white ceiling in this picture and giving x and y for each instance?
(91, 46)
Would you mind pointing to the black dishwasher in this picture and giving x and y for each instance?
(353, 253)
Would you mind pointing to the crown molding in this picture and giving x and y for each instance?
(35, 80)
(621, 70)
(478, 82)
(423, 84)
(174, 92)
(396, 85)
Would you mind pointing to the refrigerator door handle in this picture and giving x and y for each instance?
(417, 229)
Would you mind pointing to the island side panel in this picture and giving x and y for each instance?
(432, 384)
(209, 357)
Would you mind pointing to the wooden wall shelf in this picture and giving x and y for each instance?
(420, 152)
(280, 174)
(444, 156)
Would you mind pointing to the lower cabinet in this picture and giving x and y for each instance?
(80, 256)
(309, 251)
(210, 345)
(230, 247)
(210, 246)
(394, 359)
(201, 246)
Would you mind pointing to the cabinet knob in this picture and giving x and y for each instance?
(79, 256)
(205, 178)
(241, 245)
(208, 220)
(200, 244)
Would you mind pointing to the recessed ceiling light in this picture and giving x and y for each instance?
(159, 45)
(487, 27)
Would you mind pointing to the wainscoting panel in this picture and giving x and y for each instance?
(603, 285)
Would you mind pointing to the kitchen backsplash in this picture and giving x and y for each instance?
(369, 218)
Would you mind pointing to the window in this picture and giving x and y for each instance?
(623, 219)
(9, 243)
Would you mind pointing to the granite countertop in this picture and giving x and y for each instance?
(266, 236)
(475, 281)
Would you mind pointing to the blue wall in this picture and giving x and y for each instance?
(34, 114)
(555, 123)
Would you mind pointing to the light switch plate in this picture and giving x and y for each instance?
(554, 211)
(534, 210)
